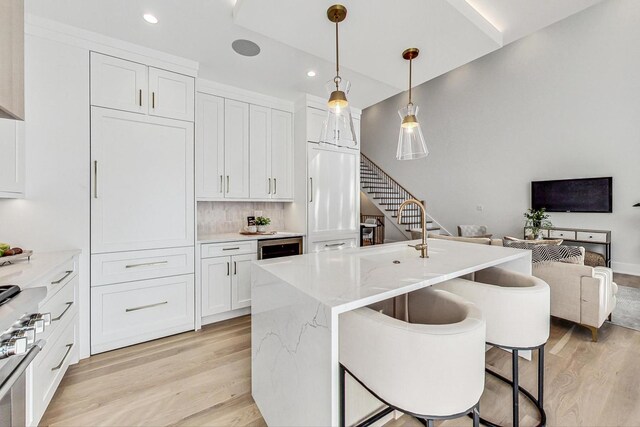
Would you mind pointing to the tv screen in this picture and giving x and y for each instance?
(573, 195)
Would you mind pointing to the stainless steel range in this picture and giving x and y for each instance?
(20, 325)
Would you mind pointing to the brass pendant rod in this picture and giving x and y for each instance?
(410, 63)
(337, 57)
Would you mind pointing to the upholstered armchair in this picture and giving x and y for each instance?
(579, 293)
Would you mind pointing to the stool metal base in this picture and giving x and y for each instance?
(517, 388)
(427, 420)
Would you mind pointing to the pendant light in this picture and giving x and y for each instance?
(411, 144)
(338, 127)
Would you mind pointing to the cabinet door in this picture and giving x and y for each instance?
(118, 84)
(171, 94)
(315, 121)
(241, 280)
(333, 200)
(216, 285)
(210, 147)
(11, 158)
(281, 155)
(142, 182)
(260, 153)
(356, 125)
(236, 149)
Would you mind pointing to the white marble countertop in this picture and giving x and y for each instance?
(351, 278)
(236, 237)
(29, 273)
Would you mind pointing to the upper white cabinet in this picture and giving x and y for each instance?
(243, 151)
(210, 147)
(236, 149)
(315, 120)
(129, 86)
(271, 151)
(142, 182)
(12, 59)
(172, 94)
(11, 158)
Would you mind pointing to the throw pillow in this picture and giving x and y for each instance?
(542, 253)
(553, 242)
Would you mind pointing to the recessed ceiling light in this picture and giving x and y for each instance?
(245, 47)
(311, 73)
(150, 18)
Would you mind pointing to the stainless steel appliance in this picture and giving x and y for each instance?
(276, 248)
(20, 326)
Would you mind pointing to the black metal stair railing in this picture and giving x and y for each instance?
(388, 193)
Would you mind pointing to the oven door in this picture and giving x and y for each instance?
(277, 248)
(13, 388)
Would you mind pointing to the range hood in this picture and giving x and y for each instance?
(12, 59)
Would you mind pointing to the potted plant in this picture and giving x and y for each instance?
(262, 223)
(536, 220)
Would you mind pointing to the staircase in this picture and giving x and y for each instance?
(388, 195)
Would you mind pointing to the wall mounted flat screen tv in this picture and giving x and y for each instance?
(573, 195)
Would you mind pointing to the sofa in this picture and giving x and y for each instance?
(579, 293)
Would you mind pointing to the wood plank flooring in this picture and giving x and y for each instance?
(203, 378)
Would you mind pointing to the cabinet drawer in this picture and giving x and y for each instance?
(230, 248)
(63, 306)
(333, 245)
(140, 265)
(592, 237)
(50, 366)
(562, 234)
(130, 313)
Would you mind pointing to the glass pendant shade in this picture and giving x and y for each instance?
(411, 143)
(338, 129)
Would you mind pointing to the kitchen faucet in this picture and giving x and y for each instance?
(422, 247)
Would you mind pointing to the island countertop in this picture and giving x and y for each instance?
(351, 278)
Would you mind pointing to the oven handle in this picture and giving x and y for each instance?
(20, 368)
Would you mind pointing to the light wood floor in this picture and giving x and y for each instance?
(203, 378)
(627, 280)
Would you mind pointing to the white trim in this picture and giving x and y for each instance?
(52, 30)
(231, 92)
(479, 20)
(626, 268)
(207, 320)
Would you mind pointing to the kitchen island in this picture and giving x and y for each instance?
(296, 307)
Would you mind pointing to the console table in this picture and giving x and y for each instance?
(581, 235)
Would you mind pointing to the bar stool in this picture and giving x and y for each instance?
(517, 311)
(431, 367)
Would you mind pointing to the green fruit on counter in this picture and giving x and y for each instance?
(5, 246)
(1, 252)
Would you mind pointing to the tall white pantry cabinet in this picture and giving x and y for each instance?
(142, 202)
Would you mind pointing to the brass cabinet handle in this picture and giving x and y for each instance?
(142, 307)
(140, 97)
(311, 197)
(333, 245)
(227, 183)
(146, 264)
(275, 186)
(95, 179)
(60, 280)
(59, 365)
(69, 304)
(153, 100)
(269, 192)
(221, 189)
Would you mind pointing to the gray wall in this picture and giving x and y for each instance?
(561, 103)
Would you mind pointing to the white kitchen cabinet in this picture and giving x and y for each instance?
(226, 283)
(356, 124)
(241, 281)
(118, 83)
(315, 121)
(209, 147)
(130, 86)
(333, 196)
(142, 182)
(282, 154)
(236, 152)
(12, 160)
(12, 59)
(171, 94)
(271, 153)
(216, 285)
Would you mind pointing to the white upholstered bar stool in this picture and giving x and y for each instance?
(517, 311)
(431, 367)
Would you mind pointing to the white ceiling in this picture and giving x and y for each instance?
(295, 36)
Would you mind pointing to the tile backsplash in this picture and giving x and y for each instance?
(230, 217)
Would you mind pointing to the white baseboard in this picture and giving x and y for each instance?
(626, 268)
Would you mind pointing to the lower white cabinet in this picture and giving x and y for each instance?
(226, 283)
(133, 312)
(332, 244)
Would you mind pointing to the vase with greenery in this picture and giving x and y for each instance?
(536, 221)
(262, 223)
